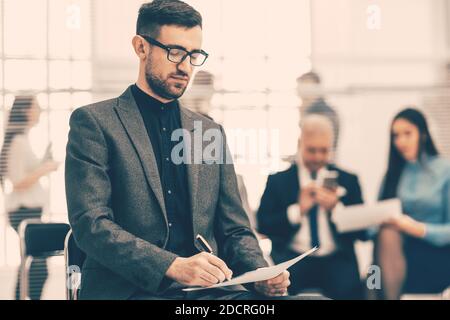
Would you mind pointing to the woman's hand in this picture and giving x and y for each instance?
(44, 169)
(49, 166)
(408, 225)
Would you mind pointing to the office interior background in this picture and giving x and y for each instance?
(374, 57)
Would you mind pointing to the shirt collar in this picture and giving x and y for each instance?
(146, 101)
(305, 175)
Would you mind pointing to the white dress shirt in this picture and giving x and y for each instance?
(21, 162)
(302, 239)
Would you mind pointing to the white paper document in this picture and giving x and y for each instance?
(260, 274)
(359, 217)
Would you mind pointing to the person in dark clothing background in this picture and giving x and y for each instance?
(296, 214)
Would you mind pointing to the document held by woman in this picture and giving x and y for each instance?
(362, 216)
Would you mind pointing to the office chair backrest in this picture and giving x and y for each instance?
(74, 264)
(38, 240)
(42, 239)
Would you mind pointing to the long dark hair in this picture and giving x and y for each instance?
(396, 160)
(17, 124)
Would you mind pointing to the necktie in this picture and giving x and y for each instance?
(313, 224)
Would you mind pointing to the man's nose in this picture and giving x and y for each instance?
(318, 156)
(185, 66)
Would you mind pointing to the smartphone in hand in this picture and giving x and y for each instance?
(330, 181)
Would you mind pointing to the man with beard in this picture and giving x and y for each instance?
(135, 211)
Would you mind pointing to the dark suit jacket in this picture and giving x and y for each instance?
(116, 205)
(282, 190)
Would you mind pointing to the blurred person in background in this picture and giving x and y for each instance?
(413, 250)
(296, 214)
(199, 100)
(23, 169)
(313, 102)
(200, 95)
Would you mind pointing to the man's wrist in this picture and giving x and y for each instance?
(171, 272)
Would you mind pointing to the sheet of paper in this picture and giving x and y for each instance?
(260, 274)
(359, 217)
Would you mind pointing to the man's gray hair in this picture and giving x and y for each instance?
(316, 124)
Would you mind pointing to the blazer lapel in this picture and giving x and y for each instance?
(193, 169)
(131, 119)
(293, 183)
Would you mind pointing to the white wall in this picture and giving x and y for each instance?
(115, 64)
(372, 74)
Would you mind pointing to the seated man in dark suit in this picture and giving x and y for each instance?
(295, 213)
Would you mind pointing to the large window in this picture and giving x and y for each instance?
(45, 49)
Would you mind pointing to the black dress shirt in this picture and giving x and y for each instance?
(160, 120)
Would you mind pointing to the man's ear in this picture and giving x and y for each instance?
(139, 47)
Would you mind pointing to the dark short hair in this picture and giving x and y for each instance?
(309, 76)
(153, 15)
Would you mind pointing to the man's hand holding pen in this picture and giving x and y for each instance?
(203, 269)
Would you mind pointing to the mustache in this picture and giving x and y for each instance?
(180, 74)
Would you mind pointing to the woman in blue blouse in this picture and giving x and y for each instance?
(413, 250)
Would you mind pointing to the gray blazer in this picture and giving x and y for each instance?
(116, 205)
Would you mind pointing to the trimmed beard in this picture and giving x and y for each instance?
(161, 87)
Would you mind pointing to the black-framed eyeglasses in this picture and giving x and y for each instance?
(177, 54)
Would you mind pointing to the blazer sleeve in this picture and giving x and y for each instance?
(238, 245)
(272, 215)
(88, 189)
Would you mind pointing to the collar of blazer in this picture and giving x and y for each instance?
(130, 117)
